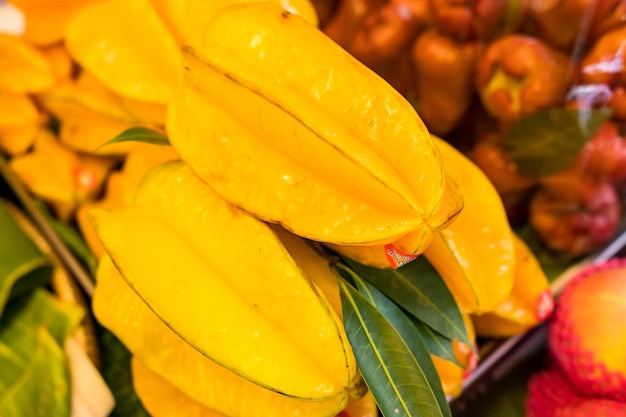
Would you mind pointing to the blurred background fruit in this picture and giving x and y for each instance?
(587, 341)
(468, 65)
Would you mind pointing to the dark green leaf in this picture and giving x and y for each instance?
(35, 380)
(20, 259)
(546, 142)
(389, 369)
(419, 289)
(140, 134)
(436, 344)
(411, 336)
(116, 373)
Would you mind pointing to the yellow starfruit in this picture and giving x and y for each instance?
(151, 341)
(363, 407)
(187, 18)
(284, 123)
(126, 46)
(19, 122)
(24, 68)
(225, 284)
(475, 254)
(46, 21)
(121, 187)
(60, 61)
(451, 374)
(405, 249)
(529, 303)
(162, 399)
(91, 115)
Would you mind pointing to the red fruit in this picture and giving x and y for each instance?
(587, 334)
(604, 156)
(551, 395)
(594, 408)
(548, 392)
(575, 217)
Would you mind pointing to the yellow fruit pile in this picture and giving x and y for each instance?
(213, 250)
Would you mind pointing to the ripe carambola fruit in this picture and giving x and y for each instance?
(162, 399)
(529, 303)
(284, 123)
(187, 18)
(451, 374)
(587, 335)
(475, 254)
(158, 348)
(224, 283)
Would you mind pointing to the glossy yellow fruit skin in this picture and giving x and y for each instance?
(451, 374)
(121, 187)
(363, 407)
(529, 303)
(314, 264)
(120, 309)
(188, 18)
(317, 267)
(331, 151)
(225, 283)
(126, 46)
(162, 399)
(406, 248)
(474, 254)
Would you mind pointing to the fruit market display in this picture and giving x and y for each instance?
(275, 219)
(531, 89)
(585, 374)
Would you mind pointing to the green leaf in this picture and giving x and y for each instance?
(411, 336)
(140, 134)
(389, 369)
(20, 260)
(436, 344)
(35, 378)
(116, 373)
(547, 142)
(419, 289)
(43, 386)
